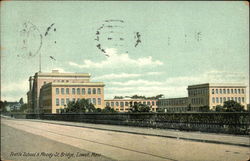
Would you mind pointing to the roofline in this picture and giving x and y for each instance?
(74, 84)
(130, 99)
(218, 85)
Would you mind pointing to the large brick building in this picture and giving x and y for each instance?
(50, 92)
(207, 94)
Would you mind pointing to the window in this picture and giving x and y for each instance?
(153, 103)
(99, 91)
(235, 91)
(220, 91)
(89, 90)
(239, 91)
(242, 91)
(73, 91)
(93, 91)
(74, 100)
(216, 91)
(243, 99)
(117, 103)
(148, 103)
(67, 80)
(228, 98)
(232, 90)
(239, 99)
(62, 90)
(107, 104)
(232, 98)
(213, 100)
(62, 80)
(67, 90)
(62, 101)
(224, 91)
(122, 104)
(89, 100)
(224, 99)
(228, 91)
(83, 91)
(212, 91)
(144, 103)
(57, 102)
(112, 104)
(235, 99)
(217, 100)
(126, 103)
(94, 101)
(67, 100)
(78, 91)
(57, 90)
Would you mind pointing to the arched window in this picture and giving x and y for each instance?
(89, 90)
(83, 91)
(94, 91)
(78, 90)
(99, 91)
(73, 91)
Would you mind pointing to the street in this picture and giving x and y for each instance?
(34, 140)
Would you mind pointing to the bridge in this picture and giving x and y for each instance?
(33, 139)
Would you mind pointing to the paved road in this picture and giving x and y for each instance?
(110, 144)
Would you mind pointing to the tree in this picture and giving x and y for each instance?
(118, 97)
(219, 108)
(233, 106)
(108, 109)
(21, 101)
(140, 108)
(3, 106)
(23, 108)
(204, 108)
(80, 106)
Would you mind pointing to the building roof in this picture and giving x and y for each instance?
(242, 85)
(173, 98)
(74, 84)
(130, 99)
(56, 73)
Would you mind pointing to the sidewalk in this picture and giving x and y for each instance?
(169, 133)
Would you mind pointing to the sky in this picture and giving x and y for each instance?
(150, 47)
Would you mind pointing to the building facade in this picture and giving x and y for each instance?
(50, 92)
(173, 104)
(207, 94)
(124, 105)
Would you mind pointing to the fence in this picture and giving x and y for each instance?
(220, 122)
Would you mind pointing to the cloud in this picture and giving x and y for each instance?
(137, 82)
(116, 76)
(172, 87)
(125, 75)
(13, 91)
(118, 60)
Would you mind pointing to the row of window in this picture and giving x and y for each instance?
(197, 101)
(127, 103)
(195, 92)
(228, 91)
(172, 102)
(64, 102)
(78, 91)
(221, 100)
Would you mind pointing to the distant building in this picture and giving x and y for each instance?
(173, 104)
(124, 105)
(207, 94)
(12, 106)
(50, 92)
